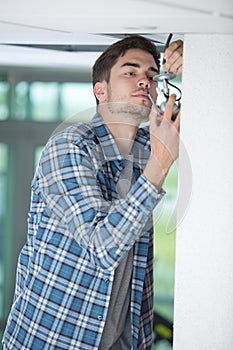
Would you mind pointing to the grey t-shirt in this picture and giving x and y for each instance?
(117, 331)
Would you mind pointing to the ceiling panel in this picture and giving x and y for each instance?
(214, 7)
(62, 19)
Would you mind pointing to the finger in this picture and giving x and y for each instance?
(174, 46)
(179, 70)
(176, 67)
(169, 107)
(153, 116)
(174, 63)
(176, 123)
(174, 58)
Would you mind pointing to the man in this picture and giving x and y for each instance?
(84, 277)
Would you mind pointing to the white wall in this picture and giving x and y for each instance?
(203, 316)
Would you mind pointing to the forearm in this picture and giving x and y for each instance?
(155, 173)
(107, 230)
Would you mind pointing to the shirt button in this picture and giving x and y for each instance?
(100, 318)
(107, 280)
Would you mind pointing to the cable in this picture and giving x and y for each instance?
(176, 87)
(167, 44)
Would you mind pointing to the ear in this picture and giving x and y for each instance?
(100, 91)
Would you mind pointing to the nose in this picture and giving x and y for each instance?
(144, 82)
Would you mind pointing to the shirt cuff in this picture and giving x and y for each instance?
(145, 194)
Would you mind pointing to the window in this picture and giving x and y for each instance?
(44, 99)
(4, 100)
(21, 101)
(5, 253)
(76, 98)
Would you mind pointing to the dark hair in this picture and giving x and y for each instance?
(105, 62)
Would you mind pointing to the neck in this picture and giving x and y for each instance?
(123, 135)
(123, 129)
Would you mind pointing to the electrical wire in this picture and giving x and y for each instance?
(164, 60)
(175, 87)
(167, 44)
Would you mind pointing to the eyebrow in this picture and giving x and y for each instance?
(136, 65)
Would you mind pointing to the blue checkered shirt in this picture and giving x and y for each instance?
(78, 232)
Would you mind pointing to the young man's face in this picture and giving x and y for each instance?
(129, 78)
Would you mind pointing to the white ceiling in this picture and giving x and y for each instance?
(72, 22)
(61, 20)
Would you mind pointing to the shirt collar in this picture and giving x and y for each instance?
(107, 142)
(140, 149)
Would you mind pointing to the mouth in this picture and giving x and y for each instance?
(142, 95)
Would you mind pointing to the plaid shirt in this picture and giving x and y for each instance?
(78, 232)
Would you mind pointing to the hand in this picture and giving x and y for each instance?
(173, 56)
(164, 142)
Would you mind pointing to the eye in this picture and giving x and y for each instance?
(150, 78)
(129, 74)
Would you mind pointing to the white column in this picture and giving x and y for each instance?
(203, 312)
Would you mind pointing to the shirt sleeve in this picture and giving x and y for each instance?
(68, 186)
